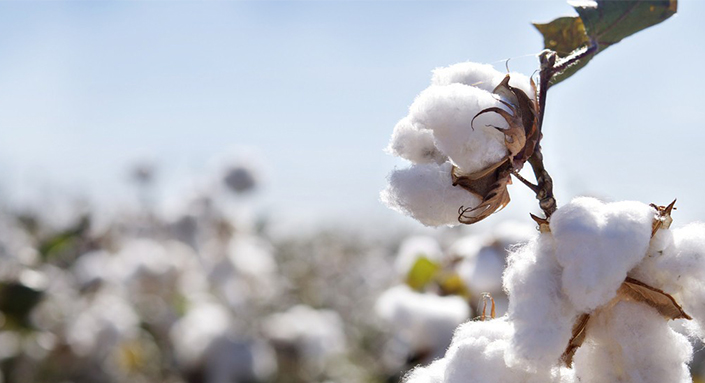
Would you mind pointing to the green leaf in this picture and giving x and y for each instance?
(423, 272)
(603, 23)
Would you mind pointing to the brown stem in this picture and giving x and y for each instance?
(550, 66)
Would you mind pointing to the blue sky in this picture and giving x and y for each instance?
(315, 87)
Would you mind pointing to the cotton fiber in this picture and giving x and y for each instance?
(414, 144)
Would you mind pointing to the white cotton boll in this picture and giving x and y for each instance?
(449, 111)
(483, 76)
(426, 193)
(433, 373)
(483, 272)
(424, 322)
(316, 334)
(94, 267)
(414, 144)
(631, 342)
(252, 256)
(597, 244)
(413, 248)
(192, 335)
(477, 355)
(540, 312)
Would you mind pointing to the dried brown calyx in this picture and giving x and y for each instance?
(521, 138)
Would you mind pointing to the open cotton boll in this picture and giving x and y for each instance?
(597, 244)
(414, 144)
(540, 312)
(425, 322)
(433, 373)
(483, 271)
(426, 193)
(477, 355)
(193, 334)
(413, 248)
(483, 76)
(252, 256)
(449, 111)
(631, 342)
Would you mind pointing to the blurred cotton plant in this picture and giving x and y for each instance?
(591, 296)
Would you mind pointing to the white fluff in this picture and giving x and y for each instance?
(449, 111)
(539, 310)
(424, 322)
(426, 193)
(414, 144)
(482, 76)
(597, 244)
(631, 342)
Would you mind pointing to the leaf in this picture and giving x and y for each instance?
(665, 304)
(564, 35)
(421, 273)
(576, 340)
(602, 23)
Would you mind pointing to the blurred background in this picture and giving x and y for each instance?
(189, 191)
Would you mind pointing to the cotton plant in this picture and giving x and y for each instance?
(597, 294)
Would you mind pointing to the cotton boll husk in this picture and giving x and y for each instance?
(483, 76)
(632, 342)
(425, 322)
(597, 244)
(426, 193)
(540, 312)
(413, 248)
(414, 144)
(449, 111)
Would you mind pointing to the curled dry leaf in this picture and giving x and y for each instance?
(521, 138)
(665, 304)
(579, 332)
(630, 290)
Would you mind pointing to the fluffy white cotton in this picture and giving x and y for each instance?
(449, 111)
(205, 322)
(426, 193)
(631, 342)
(424, 322)
(413, 248)
(540, 312)
(433, 373)
(252, 256)
(414, 144)
(482, 76)
(316, 334)
(597, 244)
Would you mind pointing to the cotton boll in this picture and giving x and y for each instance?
(426, 193)
(483, 76)
(540, 312)
(424, 322)
(317, 335)
(449, 111)
(413, 248)
(252, 256)
(631, 342)
(597, 244)
(477, 355)
(483, 272)
(433, 373)
(230, 360)
(193, 334)
(414, 144)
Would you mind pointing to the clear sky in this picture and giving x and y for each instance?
(315, 87)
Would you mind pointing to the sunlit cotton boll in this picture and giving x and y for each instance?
(317, 335)
(413, 248)
(448, 111)
(192, 335)
(426, 193)
(481, 267)
(482, 76)
(632, 342)
(423, 322)
(414, 144)
(597, 244)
